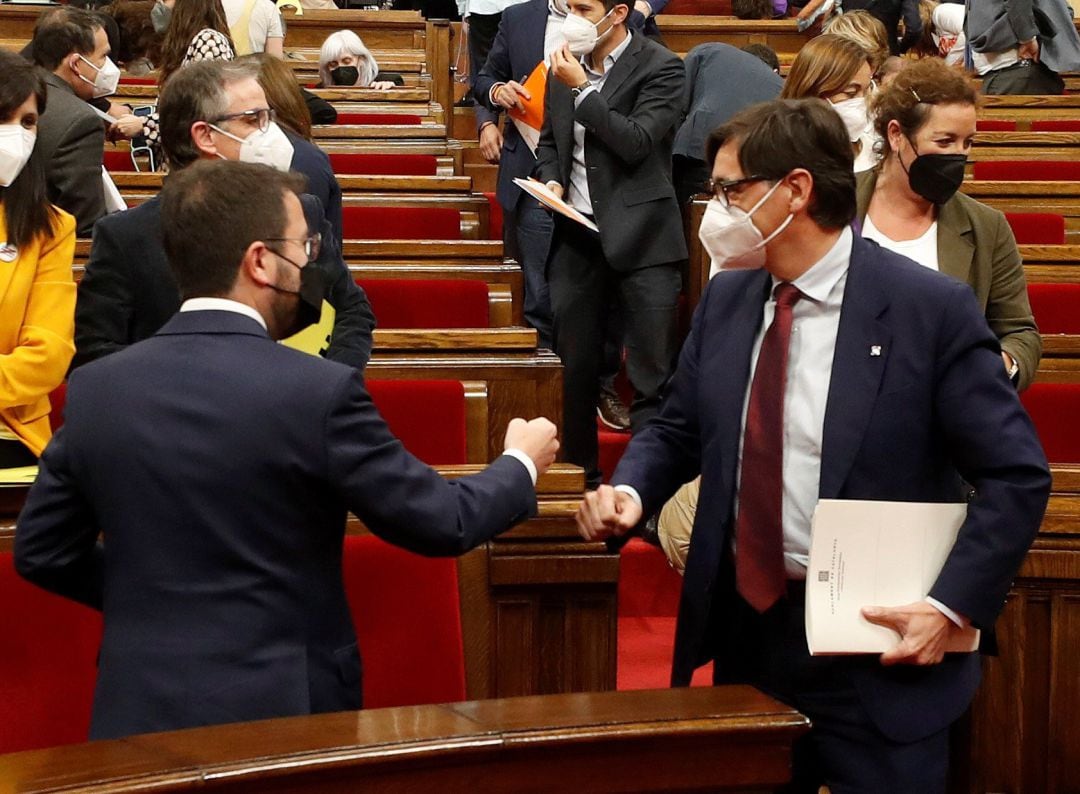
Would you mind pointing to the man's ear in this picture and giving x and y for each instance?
(801, 183)
(202, 137)
(620, 13)
(258, 264)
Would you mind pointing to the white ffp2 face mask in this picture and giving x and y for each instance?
(16, 146)
(108, 77)
(853, 113)
(580, 33)
(272, 148)
(732, 240)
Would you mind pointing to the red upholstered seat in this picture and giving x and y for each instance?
(48, 665)
(57, 400)
(1056, 307)
(378, 118)
(1027, 170)
(995, 125)
(401, 223)
(129, 80)
(715, 8)
(1053, 408)
(1037, 228)
(405, 607)
(438, 303)
(1056, 125)
(383, 164)
(118, 160)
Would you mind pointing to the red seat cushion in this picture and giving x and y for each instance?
(48, 665)
(407, 615)
(57, 400)
(495, 217)
(713, 8)
(118, 160)
(378, 118)
(401, 223)
(1053, 408)
(1027, 170)
(427, 416)
(438, 303)
(1056, 125)
(1037, 228)
(995, 125)
(1056, 307)
(383, 164)
(129, 80)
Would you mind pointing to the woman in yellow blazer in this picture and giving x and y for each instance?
(909, 203)
(37, 293)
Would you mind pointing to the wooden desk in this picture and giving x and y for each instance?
(715, 739)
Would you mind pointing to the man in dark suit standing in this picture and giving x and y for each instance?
(606, 149)
(74, 50)
(128, 291)
(839, 371)
(218, 467)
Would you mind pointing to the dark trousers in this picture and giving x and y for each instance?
(581, 283)
(691, 176)
(844, 749)
(1025, 78)
(527, 229)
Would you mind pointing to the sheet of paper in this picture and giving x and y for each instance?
(20, 475)
(866, 553)
(530, 120)
(114, 202)
(530, 135)
(543, 194)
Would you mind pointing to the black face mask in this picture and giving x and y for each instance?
(936, 177)
(345, 75)
(312, 292)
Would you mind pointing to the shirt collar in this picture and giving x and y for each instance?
(818, 282)
(611, 57)
(222, 305)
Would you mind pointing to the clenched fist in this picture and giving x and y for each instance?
(536, 438)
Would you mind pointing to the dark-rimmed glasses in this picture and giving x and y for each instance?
(311, 245)
(720, 189)
(259, 116)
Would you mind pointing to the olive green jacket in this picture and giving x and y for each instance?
(976, 246)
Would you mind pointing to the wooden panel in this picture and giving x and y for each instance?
(1063, 743)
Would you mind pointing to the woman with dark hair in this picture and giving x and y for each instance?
(910, 204)
(197, 31)
(37, 245)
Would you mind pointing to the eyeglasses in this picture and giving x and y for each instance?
(258, 116)
(311, 245)
(721, 189)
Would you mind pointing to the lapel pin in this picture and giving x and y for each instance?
(875, 350)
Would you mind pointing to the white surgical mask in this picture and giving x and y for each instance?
(16, 146)
(580, 33)
(731, 238)
(853, 113)
(108, 77)
(272, 148)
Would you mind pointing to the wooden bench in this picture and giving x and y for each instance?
(1060, 198)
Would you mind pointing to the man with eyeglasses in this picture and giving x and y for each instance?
(821, 366)
(210, 110)
(218, 468)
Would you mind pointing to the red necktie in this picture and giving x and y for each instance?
(759, 533)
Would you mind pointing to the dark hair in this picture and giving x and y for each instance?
(27, 211)
(62, 31)
(777, 137)
(752, 9)
(911, 95)
(211, 212)
(138, 39)
(195, 93)
(765, 54)
(188, 18)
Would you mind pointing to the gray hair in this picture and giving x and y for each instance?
(342, 43)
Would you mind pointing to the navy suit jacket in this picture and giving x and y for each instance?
(934, 410)
(516, 51)
(128, 291)
(219, 466)
(311, 161)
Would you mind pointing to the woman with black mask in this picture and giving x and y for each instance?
(909, 203)
(345, 61)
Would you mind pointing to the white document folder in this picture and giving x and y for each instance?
(866, 553)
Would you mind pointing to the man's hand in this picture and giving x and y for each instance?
(644, 8)
(1028, 50)
(923, 631)
(491, 141)
(606, 512)
(128, 126)
(508, 95)
(536, 438)
(555, 188)
(566, 68)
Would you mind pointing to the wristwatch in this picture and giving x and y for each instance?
(576, 90)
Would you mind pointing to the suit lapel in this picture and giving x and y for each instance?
(623, 67)
(954, 246)
(863, 342)
(537, 14)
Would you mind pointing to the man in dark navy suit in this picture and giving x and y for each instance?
(218, 466)
(823, 366)
(128, 291)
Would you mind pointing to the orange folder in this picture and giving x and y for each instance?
(533, 114)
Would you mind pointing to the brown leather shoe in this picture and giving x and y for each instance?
(612, 412)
